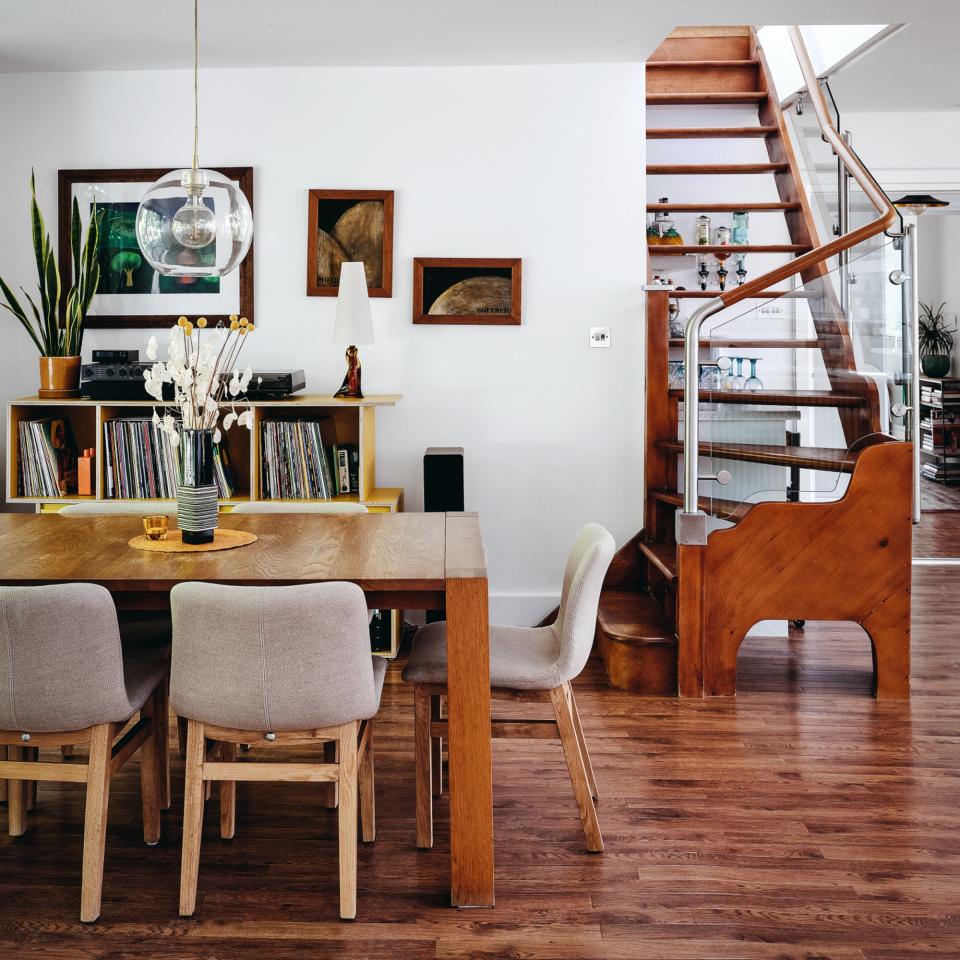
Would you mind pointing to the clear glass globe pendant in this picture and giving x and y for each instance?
(194, 222)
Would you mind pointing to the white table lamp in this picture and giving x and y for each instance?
(353, 325)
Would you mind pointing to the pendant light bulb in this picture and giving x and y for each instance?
(192, 222)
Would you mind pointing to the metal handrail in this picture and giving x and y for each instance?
(690, 530)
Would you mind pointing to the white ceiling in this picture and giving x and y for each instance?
(63, 35)
(918, 68)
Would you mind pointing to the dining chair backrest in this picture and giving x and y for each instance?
(271, 658)
(583, 577)
(298, 506)
(61, 667)
(108, 508)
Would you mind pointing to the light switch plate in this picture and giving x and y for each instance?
(600, 337)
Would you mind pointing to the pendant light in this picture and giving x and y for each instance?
(194, 222)
(917, 203)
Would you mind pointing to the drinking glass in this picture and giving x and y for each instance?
(754, 382)
(726, 372)
(709, 376)
(738, 382)
(675, 374)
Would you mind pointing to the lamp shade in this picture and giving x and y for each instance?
(917, 203)
(354, 323)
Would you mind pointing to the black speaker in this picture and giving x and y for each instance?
(442, 488)
(443, 480)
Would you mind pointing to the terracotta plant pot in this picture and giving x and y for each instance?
(59, 377)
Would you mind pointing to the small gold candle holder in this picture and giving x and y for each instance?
(156, 527)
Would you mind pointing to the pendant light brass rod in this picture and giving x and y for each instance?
(196, 81)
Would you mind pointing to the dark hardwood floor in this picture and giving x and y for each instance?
(802, 819)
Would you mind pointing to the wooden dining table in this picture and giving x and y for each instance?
(402, 561)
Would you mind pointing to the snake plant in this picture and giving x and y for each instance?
(43, 324)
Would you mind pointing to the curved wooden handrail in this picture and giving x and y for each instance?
(887, 213)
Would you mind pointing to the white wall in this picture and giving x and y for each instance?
(546, 163)
(827, 45)
(938, 253)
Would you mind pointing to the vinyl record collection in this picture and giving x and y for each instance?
(296, 464)
(142, 462)
(47, 465)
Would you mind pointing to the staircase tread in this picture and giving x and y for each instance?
(807, 458)
(680, 250)
(659, 64)
(773, 344)
(720, 133)
(809, 398)
(669, 99)
(663, 556)
(709, 294)
(732, 510)
(700, 169)
(721, 207)
(629, 616)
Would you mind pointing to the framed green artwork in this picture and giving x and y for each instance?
(131, 292)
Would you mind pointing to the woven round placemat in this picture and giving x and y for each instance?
(222, 540)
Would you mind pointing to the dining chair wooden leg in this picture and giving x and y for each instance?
(3, 782)
(348, 820)
(33, 755)
(182, 736)
(581, 740)
(95, 820)
(228, 795)
(575, 766)
(150, 774)
(423, 761)
(163, 742)
(330, 790)
(436, 747)
(16, 798)
(192, 817)
(368, 810)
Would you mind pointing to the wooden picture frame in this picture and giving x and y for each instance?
(234, 296)
(348, 226)
(434, 280)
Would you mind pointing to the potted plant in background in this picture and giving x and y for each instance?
(936, 340)
(59, 344)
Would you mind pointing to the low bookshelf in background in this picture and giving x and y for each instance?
(940, 429)
(304, 448)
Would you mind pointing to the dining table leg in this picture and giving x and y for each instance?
(470, 763)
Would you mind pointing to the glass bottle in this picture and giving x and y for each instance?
(703, 231)
(665, 227)
(676, 319)
(741, 224)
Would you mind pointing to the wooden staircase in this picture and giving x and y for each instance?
(672, 617)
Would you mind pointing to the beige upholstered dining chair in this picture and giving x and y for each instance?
(139, 629)
(526, 664)
(130, 508)
(299, 506)
(63, 680)
(273, 666)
